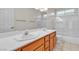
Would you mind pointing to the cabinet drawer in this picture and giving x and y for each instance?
(52, 35)
(34, 45)
(47, 38)
(46, 44)
(41, 48)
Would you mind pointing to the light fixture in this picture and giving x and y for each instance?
(41, 9)
(45, 15)
(52, 13)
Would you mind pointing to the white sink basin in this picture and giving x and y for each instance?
(29, 36)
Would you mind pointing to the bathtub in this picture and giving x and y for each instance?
(8, 34)
(71, 39)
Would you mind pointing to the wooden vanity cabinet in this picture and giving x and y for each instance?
(46, 43)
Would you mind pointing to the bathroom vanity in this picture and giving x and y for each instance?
(44, 43)
(33, 40)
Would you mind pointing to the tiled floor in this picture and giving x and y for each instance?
(65, 46)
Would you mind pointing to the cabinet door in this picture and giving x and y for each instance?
(46, 44)
(41, 48)
(51, 44)
(51, 41)
(34, 45)
(55, 41)
(46, 47)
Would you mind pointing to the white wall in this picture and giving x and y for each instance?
(50, 21)
(26, 18)
(6, 19)
(29, 15)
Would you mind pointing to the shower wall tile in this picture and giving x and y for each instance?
(7, 19)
